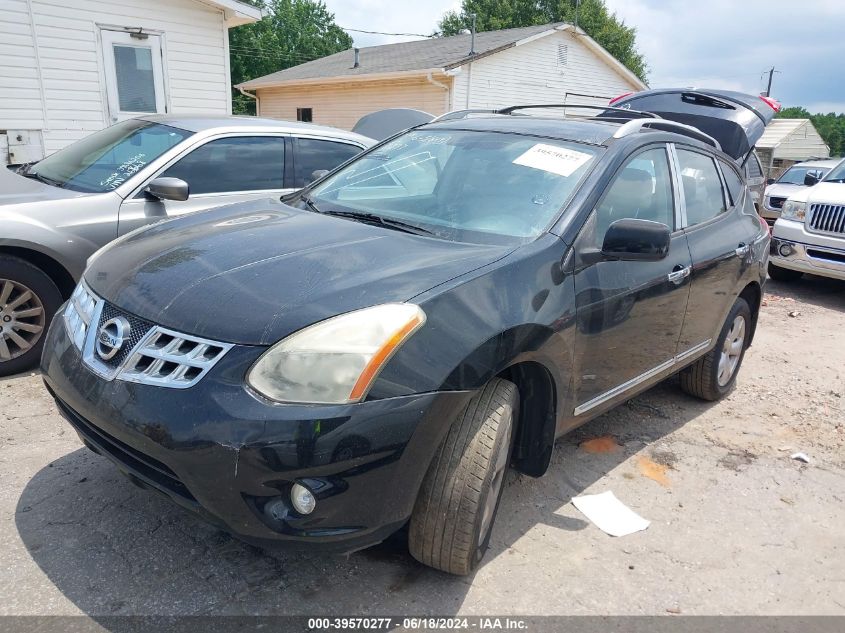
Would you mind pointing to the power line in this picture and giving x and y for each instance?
(393, 34)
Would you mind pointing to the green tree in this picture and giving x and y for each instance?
(292, 32)
(593, 16)
(830, 126)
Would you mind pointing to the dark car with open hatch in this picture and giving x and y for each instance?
(379, 348)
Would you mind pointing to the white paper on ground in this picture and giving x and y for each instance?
(555, 160)
(609, 514)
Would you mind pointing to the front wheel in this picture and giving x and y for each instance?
(457, 503)
(714, 374)
(28, 300)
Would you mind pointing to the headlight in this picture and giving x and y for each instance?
(793, 210)
(337, 360)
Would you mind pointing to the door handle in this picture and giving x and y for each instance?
(679, 273)
(742, 250)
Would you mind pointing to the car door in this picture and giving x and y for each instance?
(319, 154)
(220, 171)
(629, 313)
(720, 234)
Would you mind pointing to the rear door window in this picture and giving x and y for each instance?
(316, 154)
(703, 193)
(227, 165)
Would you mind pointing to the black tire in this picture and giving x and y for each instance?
(16, 273)
(701, 379)
(448, 519)
(784, 274)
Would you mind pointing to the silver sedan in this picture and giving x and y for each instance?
(57, 212)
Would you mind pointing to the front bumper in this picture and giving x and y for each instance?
(795, 248)
(231, 457)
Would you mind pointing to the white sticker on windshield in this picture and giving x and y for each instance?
(555, 160)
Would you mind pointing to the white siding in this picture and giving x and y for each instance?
(802, 143)
(532, 73)
(68, 86)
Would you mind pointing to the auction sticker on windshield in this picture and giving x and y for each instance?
(555, 160)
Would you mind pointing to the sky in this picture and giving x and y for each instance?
(716, 43)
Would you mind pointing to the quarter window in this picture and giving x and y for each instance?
(242, 163)
(733, 181)
(643, 189)
(315, 155)
(702, 186)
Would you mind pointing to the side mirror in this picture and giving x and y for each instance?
(318, 173)
(165, 188)
(811, 178)
(770, 181)
(636, 240)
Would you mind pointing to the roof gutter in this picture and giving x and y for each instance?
(253, 97)
(342, 79)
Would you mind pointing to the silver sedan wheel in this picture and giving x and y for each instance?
(499, 472)
(21, 319)
(731, 351)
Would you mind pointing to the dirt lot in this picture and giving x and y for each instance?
(737, 526)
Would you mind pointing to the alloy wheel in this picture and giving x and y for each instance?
(22, 319)
(731, 351)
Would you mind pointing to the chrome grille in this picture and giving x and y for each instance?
(150, 354)
(138, 329)
(171, 359)
(78, 314)
(827, 218)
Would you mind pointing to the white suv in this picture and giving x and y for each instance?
(809, 237)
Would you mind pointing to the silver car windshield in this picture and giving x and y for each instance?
(106, 159)
(484, 187)
(795, 175)
(837, 174)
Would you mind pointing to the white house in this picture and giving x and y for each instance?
(71, 67)
(551, 63)
(788, 141)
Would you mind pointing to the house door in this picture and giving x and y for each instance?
(134, 74)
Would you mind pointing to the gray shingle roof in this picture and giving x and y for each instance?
(437, 52)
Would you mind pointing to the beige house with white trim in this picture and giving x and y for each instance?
(552, 63)
(788, 141)
(71, 68)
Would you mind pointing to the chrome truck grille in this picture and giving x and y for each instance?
(827, 218)
(121, 346)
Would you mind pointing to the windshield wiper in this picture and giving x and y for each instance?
(44, 179)
(374, 218)
(310, 203)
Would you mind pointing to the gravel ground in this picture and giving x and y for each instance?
(738, 527)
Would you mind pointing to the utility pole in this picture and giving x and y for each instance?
(769, 87)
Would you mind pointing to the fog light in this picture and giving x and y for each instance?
(785, 250)
(302, 499)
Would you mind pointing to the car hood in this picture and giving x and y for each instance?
(827, 192)
(254, 272)
(15, 189)
(782, 190)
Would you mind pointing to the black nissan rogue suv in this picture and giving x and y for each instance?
(379, 348)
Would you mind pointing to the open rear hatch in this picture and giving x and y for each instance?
(736, 120)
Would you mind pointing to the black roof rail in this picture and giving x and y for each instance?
(581, 106)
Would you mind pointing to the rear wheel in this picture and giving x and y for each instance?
(714, 374)
(28, 300)
(784, 274)
(453, 517)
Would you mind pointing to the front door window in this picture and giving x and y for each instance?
(134, 74)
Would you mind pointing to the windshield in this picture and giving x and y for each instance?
(483, 187)
(795, 175)
(837, 174)
(106, 159)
